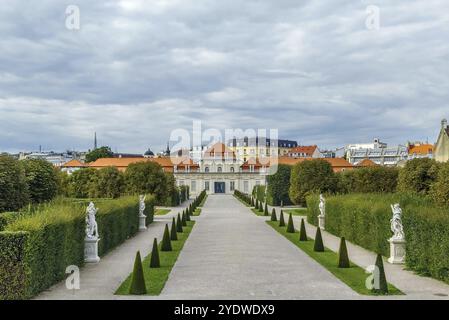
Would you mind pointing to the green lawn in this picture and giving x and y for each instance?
(197, 212)
(296, 212)
(155, 278)
(354, 276)
(160, 212)
(257, 212)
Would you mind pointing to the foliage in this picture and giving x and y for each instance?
(82, 183)
(318, 245)
(173, 233)
(155, 261)
(440, 189)
(178, 224)
(302, 232)
(418, 175)
(109, 183)
(166, 243)
(147, 177)
(311, 176)
(13, 187)
(278, 186)
(102, 152)
(367, 180)
(383, 285)
(290, 226)
(273, 215)
(343, 258)
(137, 281)
(41, 178)
(281, 219)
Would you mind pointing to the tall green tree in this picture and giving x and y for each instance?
(41, 179)
(110, 183)
(13, 186)
(147, 177)
(102, 152)
(311, 176)
(83, 183)
(278, 186)
(418, 175)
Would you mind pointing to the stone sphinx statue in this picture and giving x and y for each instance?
(91, 222)
(396, 223)
(322, 206)
(142, 205)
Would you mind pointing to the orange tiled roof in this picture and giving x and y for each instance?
(308, 150)
(219, 149)
(366, 163)
(421, 149)
(74, 164)
(334, 162)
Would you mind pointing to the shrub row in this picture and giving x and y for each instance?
(35, 249)
(243, 196)
(364, 219)
(259, 192)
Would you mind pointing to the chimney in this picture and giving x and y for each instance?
(444, 124)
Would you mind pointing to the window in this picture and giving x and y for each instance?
(257, 182)
(245, 186)
(232, 169)
(206, 169)
(206, 185)
(219, 169)
(193, 185)
(232, 185)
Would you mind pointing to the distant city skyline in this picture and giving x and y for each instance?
(133, 71)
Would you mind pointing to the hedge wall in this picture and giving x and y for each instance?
(259, 192)
(55, 239)
(364, 219)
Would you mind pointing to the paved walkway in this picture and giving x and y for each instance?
(99, 281)
(233, 254)
(413, 285)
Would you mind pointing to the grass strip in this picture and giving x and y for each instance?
(155, 278)
(296, 212)
(160, 212)
(355, 277)
(197, 212)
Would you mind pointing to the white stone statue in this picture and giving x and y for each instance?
(396, 223)
(91, 222)
(322, 206)
(142, 205)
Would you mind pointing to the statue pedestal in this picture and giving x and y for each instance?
(397, 251)
(91, 250)
(321, 222)
(142, 223)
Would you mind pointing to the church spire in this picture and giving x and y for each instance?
(167, 152)
(95, 140)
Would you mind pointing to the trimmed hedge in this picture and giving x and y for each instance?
(55, 239)
(259, 192)
(368, 180)
(364, 219)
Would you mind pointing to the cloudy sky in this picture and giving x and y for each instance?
(319, 71)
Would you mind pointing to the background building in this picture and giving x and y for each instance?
(258, 147)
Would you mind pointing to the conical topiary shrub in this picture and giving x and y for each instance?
(273, 215)
(155, 261)
(184, 220)
(381, 284)
(188, 216)
(166, 243)
(290, 225)
(179, 224)
(260, 206)
(302, 232)
(281, 219)
(252, 202)
(343, 258)
(256, 206)
(265, 211)
(173, 234)
(137, 281)
(318, 245)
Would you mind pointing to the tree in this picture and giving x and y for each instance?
(278, 186)
(41, 179)
(110, 183)
(290, 226)
(302, 232)
(418, 175)
(173, 234)
(83, 183)
(368, 180)
(147, 177)
(318, 246)
(155, 261)
(281, 219)
(380, 284)
(138, 279)
(311, 176)
(13, 186)
(102, 152)
(343, 259)
(166, 244)
(273, 215)
(440, 189)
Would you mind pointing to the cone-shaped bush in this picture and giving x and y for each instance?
(155, 261)
(265, 212)
(173, 234)
(179, 224)
(260, 206)
(381, 284)
(257, 204)
(137, 281)
(184, 220)
(281, 219)
(318, 245)
(290, 225)
(273, 215)
(343, 258)
(166, 243)
(302, 232)
(252, 202)
(188, 216)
